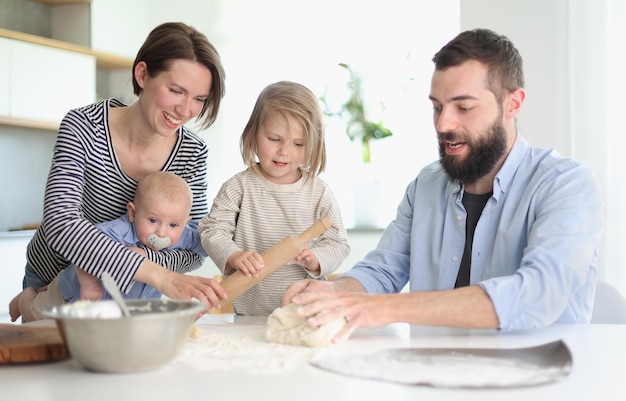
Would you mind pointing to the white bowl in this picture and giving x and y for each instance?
(151, 337)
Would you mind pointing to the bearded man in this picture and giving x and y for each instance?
(496, 234)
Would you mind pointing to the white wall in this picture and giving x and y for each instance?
(615, 259)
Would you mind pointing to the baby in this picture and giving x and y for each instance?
(158, 218)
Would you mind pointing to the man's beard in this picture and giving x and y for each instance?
(483, 156)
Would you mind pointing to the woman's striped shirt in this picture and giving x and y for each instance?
(86, 185)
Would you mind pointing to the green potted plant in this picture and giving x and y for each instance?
(358, 126)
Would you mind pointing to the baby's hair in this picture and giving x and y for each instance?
(165, 185)
(289, 99)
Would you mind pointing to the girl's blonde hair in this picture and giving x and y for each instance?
(295, 100)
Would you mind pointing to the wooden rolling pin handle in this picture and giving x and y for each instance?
(275, 257)
(316, 229)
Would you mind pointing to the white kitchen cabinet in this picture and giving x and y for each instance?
(55, 69)
(4, 78)
(41, 79)
(46, 82)
(13, 251)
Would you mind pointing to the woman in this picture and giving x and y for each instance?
(105, 148)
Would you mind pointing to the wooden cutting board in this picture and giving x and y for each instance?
(26, 343)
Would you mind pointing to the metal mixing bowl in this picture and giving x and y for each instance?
(148, 339)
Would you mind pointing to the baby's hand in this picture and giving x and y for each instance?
(308, 260)
(249, 263)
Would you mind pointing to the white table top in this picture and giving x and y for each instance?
(232, 361)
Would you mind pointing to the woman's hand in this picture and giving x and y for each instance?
(182, 286)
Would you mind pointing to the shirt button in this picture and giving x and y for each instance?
(455, 258)
(458, 217)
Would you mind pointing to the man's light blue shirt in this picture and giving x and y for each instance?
(535, 247)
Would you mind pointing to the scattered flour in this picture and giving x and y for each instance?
(224, 348)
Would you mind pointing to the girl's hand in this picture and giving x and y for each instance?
(249, 263)
(308, 260)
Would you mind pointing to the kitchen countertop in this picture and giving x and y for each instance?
(232, 361)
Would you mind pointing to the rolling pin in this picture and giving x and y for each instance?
(275, 257)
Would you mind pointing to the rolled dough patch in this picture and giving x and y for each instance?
(284, 326)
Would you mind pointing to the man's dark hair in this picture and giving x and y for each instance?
(504, 64)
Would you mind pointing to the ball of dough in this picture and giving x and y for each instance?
(195, 332)
(284, 326)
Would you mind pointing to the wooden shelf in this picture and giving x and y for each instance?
(104, 61)
(26, 123)
(58, 2)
